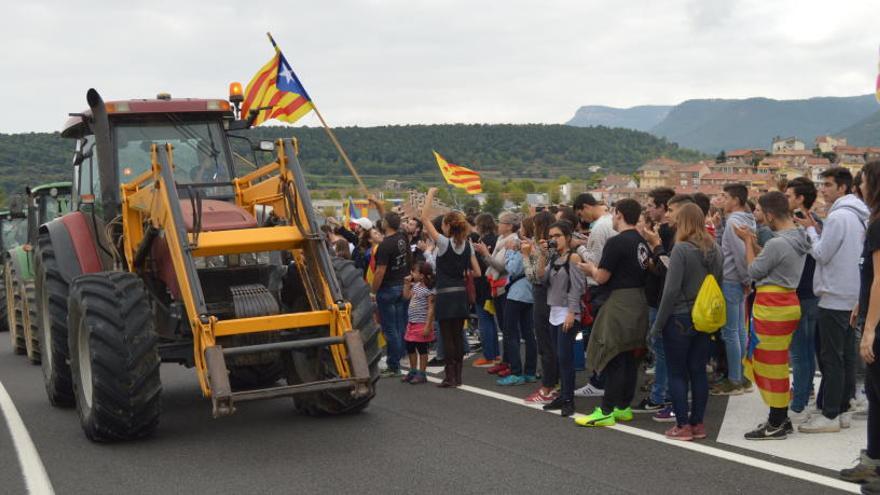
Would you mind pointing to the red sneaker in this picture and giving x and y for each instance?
(503, 373)
(538, 397)
(698, 431)
(680, 433)
(498, 367)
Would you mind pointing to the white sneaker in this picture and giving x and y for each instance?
(589, 390)
(820, 424)
(799, 417)
(845, 419)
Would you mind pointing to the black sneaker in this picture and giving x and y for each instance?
(556, 404)
(789, 428)
(766, 431)
(436, 362)
(567, 409)
(647, 406)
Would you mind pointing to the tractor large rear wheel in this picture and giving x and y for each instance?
(317, 364)
(114, 356)
(15, 309)
(31, 323)
(51, 299)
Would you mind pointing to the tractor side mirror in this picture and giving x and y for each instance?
(78, 153)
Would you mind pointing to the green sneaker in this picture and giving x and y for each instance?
(622, 414)
(597, 418)
(390, 373)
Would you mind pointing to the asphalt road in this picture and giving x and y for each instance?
(411, 439)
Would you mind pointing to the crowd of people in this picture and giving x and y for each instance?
(799, 293)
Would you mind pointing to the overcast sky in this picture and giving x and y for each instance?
(415, 61)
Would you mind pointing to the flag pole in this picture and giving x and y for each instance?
(331, 135)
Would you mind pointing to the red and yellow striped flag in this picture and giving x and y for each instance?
(458, 176)
(776, 312)
(276, 88)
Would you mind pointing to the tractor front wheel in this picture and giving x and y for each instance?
(114, 356)
(317, 364)
(4, 313)
(31, 325)
(15, 309)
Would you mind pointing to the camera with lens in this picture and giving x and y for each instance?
(551, 244)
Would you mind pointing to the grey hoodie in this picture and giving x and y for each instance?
(837, 251)
(733, 248)
(781, 262)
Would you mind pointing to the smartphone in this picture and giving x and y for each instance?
(800, 214)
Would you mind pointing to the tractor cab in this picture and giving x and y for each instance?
(107, 158)
(46, 203)
(13, 224)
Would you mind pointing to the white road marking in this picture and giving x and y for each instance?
(35, 478)
(694, 446)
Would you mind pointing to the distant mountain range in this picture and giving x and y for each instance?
(642, 118)
(714, 125)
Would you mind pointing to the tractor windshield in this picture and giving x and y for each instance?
(14, 232)
(52, 207)
(200, 154)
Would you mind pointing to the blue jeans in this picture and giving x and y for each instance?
(598, 378)
(658, 389)
(518, 325)
(393, 312)
(687, 353)
(565, 356)
(734, 331)
(802, 354)
(488, 333)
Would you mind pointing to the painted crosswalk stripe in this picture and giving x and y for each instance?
(35, 478)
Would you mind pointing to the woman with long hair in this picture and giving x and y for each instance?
(694, 256)
(558, 270)
(544, 334)
(496, 275)
(868, 310)
(455, 257)
(487, 235)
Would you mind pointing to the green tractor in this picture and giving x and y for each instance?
(45, 203)
(13, 232)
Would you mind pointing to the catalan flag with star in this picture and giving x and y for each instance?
(458, 176)
(276, 93)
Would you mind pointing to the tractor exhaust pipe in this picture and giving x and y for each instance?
(107, 168)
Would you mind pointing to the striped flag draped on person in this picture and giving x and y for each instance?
(276, 93)
(458, 176)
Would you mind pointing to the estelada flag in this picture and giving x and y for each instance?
(458, 176)
(350, 214)
(276, 88)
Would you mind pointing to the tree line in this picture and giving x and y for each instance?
(401, 152)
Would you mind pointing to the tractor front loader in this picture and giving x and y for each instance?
(183, 258)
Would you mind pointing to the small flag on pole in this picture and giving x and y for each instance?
(458, 176)
(276, 88)
(351, 214)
